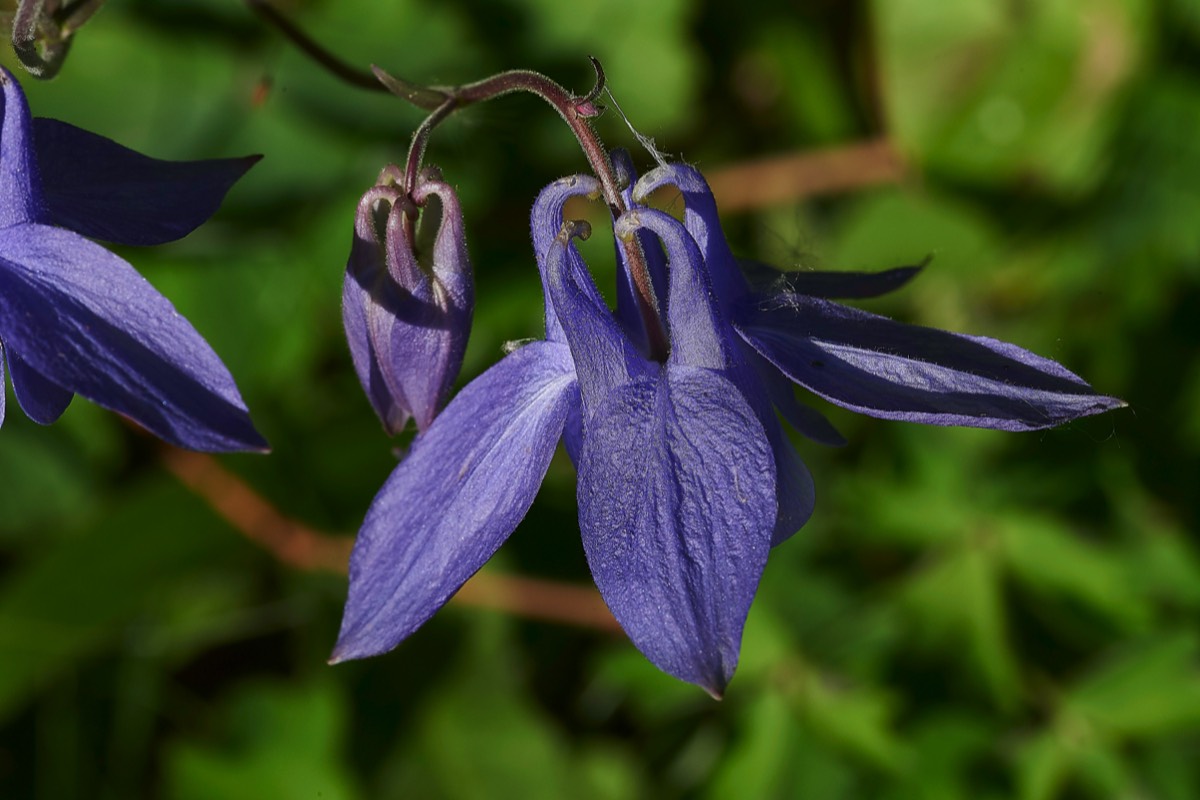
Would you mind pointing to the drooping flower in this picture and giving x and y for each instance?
(77, 319)
(686, 479)
(407, 324)
(678, 469)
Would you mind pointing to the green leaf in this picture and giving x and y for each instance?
(757, 764)
(1163, 565)
(1151, 688)
(68, 604)
(267, 322)
(280, 741)
(625, 676)
(482, 735)
(958, 606)
(990, 91)
(794, 67)
(396, 36)
(1104, 769)
(1072, 753)
(1052, 561)
(1170, 769)
(1043, 766)
(516, 754)
(1145, 226)
(946, 747)
(774, 755)
(189, 92)
(45, 484)
(856, 717)
(939, 497)
(1185, 15)
(890, 227)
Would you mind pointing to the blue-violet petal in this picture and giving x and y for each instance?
(676, 508)
(42, 400)
(87, 321)
(98, 188)
(20, 200)
(455, 498)
(887, 369)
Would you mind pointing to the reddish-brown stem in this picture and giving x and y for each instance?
(416, 153)
(301, 547)
(788, 177)
(309, 46)
(576, 112)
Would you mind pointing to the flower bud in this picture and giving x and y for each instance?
(406, 308)
(42, 32)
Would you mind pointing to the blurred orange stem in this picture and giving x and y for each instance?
(751, 185)
(782, 179)
(302, 547)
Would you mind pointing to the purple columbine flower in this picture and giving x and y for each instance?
(686, 479)
(407, 324)
(76, 319)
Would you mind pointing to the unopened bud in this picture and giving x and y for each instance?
(407, 312)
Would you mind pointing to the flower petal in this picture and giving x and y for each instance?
(42, 400)
(464, 486)
(407, 326)
(701, 338)
(19, 200)
(426, 346)
(450, 262)
(795, 493)
(805, 420)
(604, 355)
(87, 321)
(698, 336)
(676, 506)
(703, 224)
(887, 369)
(546, 221)
(368, 294)
(628, 312)
(830, 285)
(100, 189)
(2, 388)
(357, 307)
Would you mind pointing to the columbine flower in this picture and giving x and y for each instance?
(407, 325)
(74, 318)
(685, 477)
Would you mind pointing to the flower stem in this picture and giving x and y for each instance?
(577, 113)
(309, 46)
(416, 153)
(442, 101)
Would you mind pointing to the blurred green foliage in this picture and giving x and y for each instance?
(969, 614)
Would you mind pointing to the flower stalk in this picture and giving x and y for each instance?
(441, 101)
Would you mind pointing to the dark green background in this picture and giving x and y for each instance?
(970, 614)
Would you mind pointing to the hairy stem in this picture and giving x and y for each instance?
(416, 153)
(442, 101)
(577, 113)
(309, 46)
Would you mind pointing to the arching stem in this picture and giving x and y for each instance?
(442, 101)
(577, 113)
